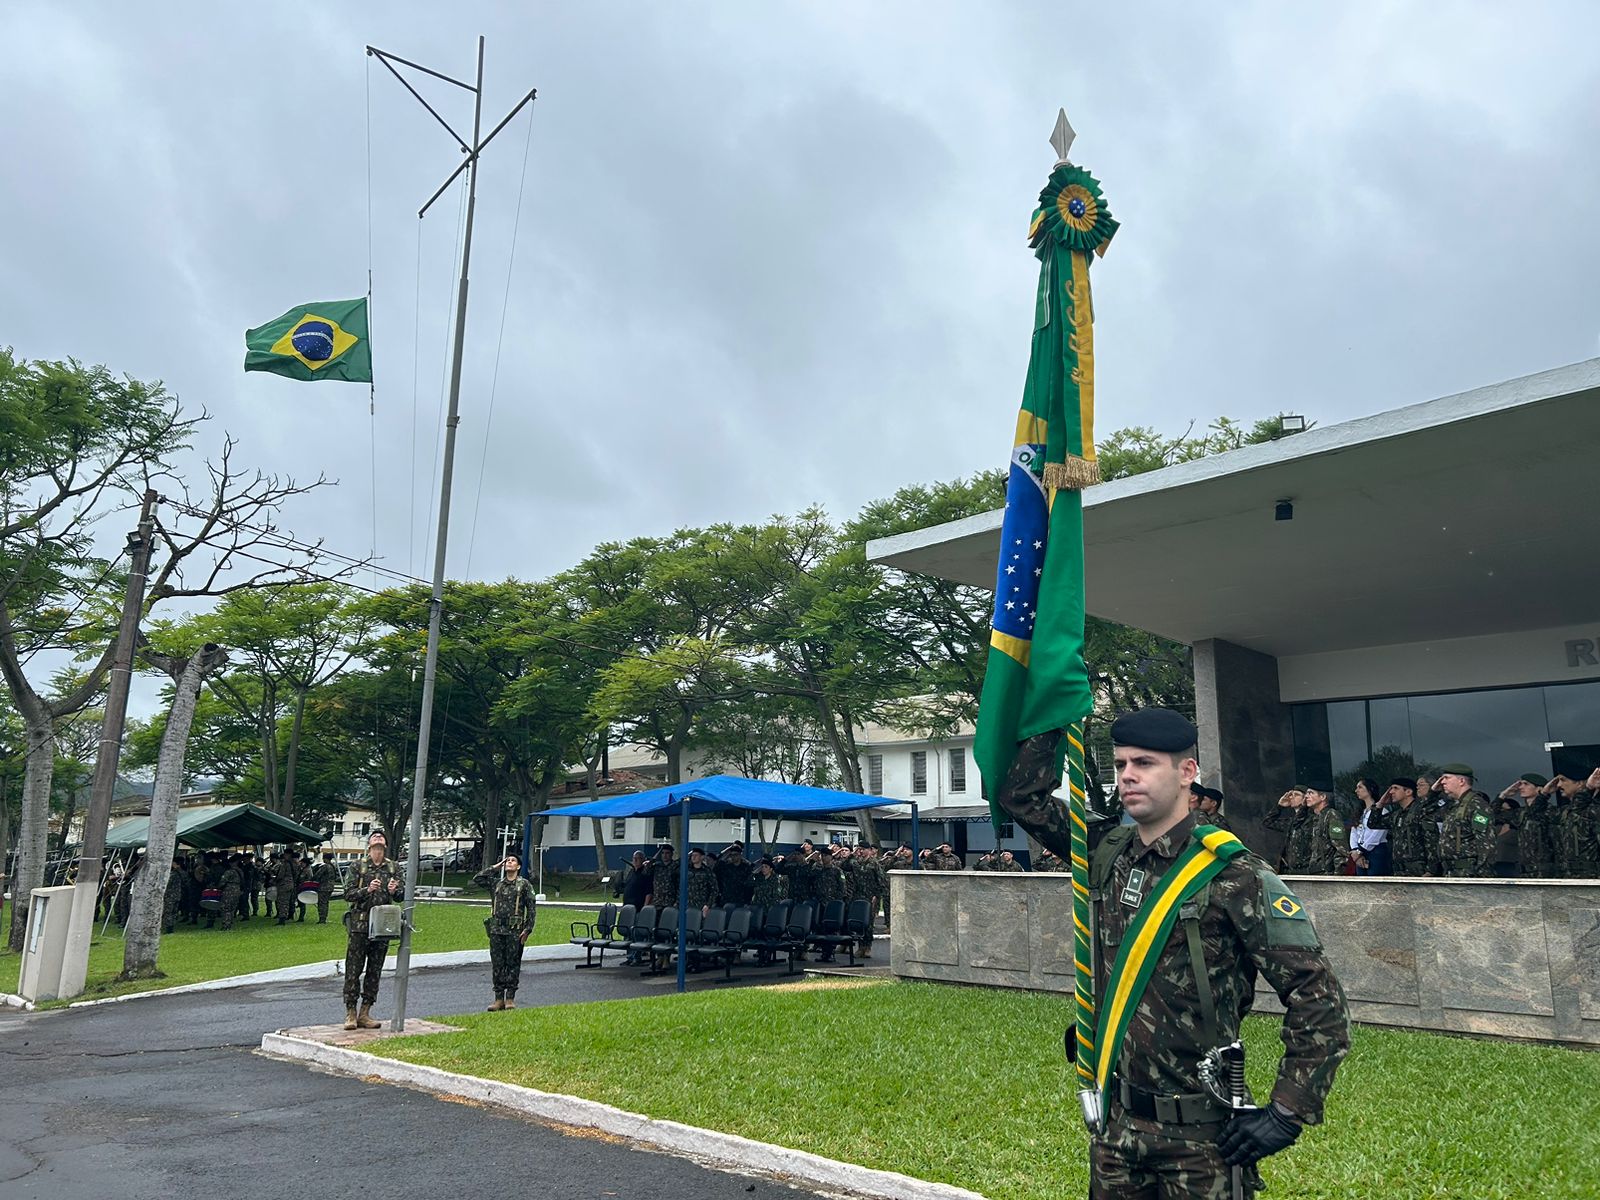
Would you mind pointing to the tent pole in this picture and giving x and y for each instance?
(683, 904)
(916, 839)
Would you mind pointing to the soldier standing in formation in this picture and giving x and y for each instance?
(941, 858)
(1292, 820)
(1536, 846)
(512, 911)
(663, 878)
(326, 876)
(868, 882)
(733, 874)
(701, 890)
(1466, 837)
(1413, 834)
(1164, 1134)
(1048, 862)
(769, 887)
(1208, 802)
(231, 883)
(1327, 843)
(286, 883)
(1577, 826)
(375, 880)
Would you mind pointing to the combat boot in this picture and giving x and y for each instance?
(499, 1003)
(509, 1003)
(349, 1016)
(364, 1018)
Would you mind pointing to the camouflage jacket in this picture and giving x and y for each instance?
(1000, 864)
(702, 888)
(663, 881)
(287, 878)
(830, 884)
(1250, 923)
(1327, 843)
(1295, 825)
(358, 892)
(326, 876)
(1048, 863)
(1413, 839)
(1577, 839)
(232, 880)
(802, 877)
(944, 862)
(733, 878)
(1466, 836)
(1536, 842)
(511, 903)
(770, 890)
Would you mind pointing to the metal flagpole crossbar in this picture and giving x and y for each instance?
(473, 152)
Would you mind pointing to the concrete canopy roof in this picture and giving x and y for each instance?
(1471, 514)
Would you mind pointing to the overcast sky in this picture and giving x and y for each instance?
(774, 254)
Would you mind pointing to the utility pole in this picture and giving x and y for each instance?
(430, 669)
(75, 964)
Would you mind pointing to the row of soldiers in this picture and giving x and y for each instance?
(1443, 826)
(239, 880)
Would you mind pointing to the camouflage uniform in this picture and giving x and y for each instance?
(664, 881)
(1413, 839)
(363, 957)
(172, 899)
(512, 912)
(1466, 837)
(1001, 864)
(702, 890)
(287, 884)
(802, 877)
(326, 876)
(252, 888)
(938, 860)
(1295, 825)
(1577, 839)
(1328, 844)
(1536, 839)
(733, 872)
(769, 890)
(829, 884)
(232, 887)
(1048, 863)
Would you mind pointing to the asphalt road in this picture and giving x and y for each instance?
(165, 1098)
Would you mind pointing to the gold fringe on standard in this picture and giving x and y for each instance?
(1073, 475)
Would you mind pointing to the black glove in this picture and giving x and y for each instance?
(1252, 1136)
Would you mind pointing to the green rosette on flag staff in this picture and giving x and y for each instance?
(1036, 679)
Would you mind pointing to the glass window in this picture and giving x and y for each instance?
(1499, 734)
(1347, 735)
(1312, 760)
(661, 829)
(1389, 725)
(619, 829)
(573, 825)
(919, 772)
(1573, 712)
(875, 774)
(958, 769)
(1007, 830)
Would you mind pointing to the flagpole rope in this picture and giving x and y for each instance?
(494, 379)
(372, 385)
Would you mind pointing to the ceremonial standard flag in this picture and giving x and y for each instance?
(315, 341)
(1036, 679)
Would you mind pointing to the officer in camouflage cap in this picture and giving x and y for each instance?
(1164, 1134)
(1466, 835)
(375, 880)
(1413, 833)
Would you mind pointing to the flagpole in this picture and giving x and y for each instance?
(430, 668)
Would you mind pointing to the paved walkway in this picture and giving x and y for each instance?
(166, 1099)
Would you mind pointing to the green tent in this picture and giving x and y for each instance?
(215, 827)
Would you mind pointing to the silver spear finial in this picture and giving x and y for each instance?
(1063, 137)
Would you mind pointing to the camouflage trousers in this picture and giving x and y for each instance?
(1141, 1160)
(505, 958)
(363, 965)
(322, 908)
(230, 907)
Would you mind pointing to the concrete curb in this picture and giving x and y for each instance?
(7, 1000)
(331, 968)
(708, 1146)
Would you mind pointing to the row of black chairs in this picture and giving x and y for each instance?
(723, 935)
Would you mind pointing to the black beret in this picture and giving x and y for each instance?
(1200, 789)
(1154, 729)
(1401, 782)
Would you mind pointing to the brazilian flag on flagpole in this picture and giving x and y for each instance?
(1036, 680)
(327, 340)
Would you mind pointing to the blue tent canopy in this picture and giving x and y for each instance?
(726, 793)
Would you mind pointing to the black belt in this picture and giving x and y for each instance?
(1194, 1108)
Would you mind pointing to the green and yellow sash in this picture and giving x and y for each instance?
(1202, 860)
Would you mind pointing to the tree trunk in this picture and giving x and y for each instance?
(143, 939)
(33, 836)
(268, 719)
(294, 752)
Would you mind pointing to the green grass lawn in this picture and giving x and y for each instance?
(194, 953)
(968, 1086)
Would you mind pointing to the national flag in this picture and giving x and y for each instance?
(327, 340)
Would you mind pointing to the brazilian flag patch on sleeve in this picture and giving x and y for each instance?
(1288, 923)
(1479, 819)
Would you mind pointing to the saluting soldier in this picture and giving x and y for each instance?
(1164, 1134)
(1466, 837)
(375, 880)
(1413, 834)
(512, 912)
(1292, 820)
(663, 878)
(733, 874)
(769, 887)
(1048, 862)
(1578, 826)
(1327, 843)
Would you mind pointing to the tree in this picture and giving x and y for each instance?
(143, 935)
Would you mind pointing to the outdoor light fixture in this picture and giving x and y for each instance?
(1290, 424)
(1283, 510)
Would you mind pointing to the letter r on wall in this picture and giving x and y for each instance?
(1581, 653)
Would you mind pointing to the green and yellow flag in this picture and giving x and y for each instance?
(327, 340)
(1036, 679)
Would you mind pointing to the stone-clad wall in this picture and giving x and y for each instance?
(1511, 958)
